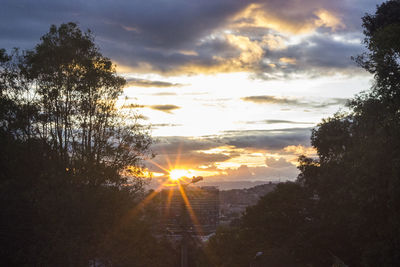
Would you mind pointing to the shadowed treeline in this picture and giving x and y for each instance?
(70, 161)
(344, 208)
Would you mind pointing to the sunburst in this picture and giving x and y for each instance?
(177, 174)
(180, 178)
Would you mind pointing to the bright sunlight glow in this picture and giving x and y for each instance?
(177, 174)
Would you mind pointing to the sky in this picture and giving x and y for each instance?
(231, 88)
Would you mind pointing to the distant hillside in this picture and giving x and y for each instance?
(247, 196)
(228, 185)
(234, 202)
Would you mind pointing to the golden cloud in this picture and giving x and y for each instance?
(273, 42)
(257, 15)
(251, 51)
(301, 150)
(329, 20)
(288, 60)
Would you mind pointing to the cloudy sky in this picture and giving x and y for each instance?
(232, 88)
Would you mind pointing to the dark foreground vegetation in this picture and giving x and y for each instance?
(70, 167)
(344, 207)
(70, 162)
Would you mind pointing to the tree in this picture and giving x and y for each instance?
(70, 160)
(381, 38)
(275, 226)
(345, 204)
(77, 89)
(356, 176)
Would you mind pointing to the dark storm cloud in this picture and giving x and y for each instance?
(267, 99)
(164, 94)
(177, 36)
(268, 139)
(189, 160)
(161, 23)
(257, 139)
(130, 32)
(180, 144)
(284, 121)
(165, 125)
(314, 56)
(323, 51)
(277, 122)
(164, 108)
(149, 83)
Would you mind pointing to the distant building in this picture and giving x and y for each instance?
(200, 216)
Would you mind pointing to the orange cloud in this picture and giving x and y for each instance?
(258, 15)
(301, 150)
(288, 60)
(329, 20)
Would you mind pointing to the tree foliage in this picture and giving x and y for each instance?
(381, 38)
(344, 207)
(76, 90)
(70, 161)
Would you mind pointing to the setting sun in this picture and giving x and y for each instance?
(177, 174)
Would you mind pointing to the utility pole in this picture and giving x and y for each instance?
(185, 223)
(185, 236)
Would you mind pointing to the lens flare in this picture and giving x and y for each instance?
(178, 174)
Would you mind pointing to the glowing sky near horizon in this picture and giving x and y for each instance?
(232, 89)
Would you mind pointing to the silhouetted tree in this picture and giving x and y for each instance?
(77, 89)
(345, 205)
(381, 38)
(70, 161)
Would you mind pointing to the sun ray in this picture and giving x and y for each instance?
(170, 195)
(177, 174)
(125, 219)
(158, 165)
(188, 206)
(147, 199)
(178, 155)
(144, 202)
(167, 158)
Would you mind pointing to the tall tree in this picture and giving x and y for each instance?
(345, 205)
(77, 90)
(381, 38)
(356, 176)
(70, 160)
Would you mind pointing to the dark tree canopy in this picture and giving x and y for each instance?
(70, 160)
(344, 207)
(76, 91)
(382, 31)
